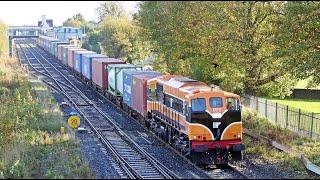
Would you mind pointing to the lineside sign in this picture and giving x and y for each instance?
(74, 121)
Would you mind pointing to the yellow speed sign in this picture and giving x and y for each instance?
(74, 121)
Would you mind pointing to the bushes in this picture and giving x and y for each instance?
(30, 143)
(261, 125)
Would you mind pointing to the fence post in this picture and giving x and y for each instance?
(287, 116)
(257, 105)
(312, 118)
(299, 119)
(266, 108)
(276, 112)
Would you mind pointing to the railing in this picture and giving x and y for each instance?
(302, 122)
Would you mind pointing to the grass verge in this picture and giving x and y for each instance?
(261, 125)
(31, 145)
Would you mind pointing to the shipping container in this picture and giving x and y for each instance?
(127, 83)
(71, 55)
(77, 59)
(44, 42)
(53, 44)
(65, 53)
(49, 44)
(115, 77)
(56, 44)
(139, 91)
(60, 53)
(38, 40)
(100, 70)
(87, 64)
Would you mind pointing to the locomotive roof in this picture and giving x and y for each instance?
(184, 79)
(187, 85)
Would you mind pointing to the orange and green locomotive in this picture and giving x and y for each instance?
(203, 123)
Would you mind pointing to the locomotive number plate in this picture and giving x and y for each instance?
(216, 109)
(216, 124)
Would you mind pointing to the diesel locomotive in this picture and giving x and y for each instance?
(203, 123)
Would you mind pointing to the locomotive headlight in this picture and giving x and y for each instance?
(194, 137)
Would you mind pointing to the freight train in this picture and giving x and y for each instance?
(203, 123)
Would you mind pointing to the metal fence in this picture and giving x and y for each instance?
(297, 120)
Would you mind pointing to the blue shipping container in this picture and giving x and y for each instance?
(78, 59)
(87, 64)
(127, 83)
(56, 47)
(65, 53)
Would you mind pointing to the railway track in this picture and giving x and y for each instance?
(105, 131)
(132, 160)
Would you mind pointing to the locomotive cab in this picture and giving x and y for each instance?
(201, 122)
(215, 126)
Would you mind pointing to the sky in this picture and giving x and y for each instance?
(17, 13)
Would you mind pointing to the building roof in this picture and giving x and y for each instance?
(49, 22)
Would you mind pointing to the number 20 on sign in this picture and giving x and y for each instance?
(74, 121)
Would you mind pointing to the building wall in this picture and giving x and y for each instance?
(63, 34)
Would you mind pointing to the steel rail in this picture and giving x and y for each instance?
(116, 155)
(158, 165)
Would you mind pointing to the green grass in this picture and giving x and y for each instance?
(31, 146)
(303, 104)
(262, 126)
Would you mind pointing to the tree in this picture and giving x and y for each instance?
(249, 34)
(119, 38)
(70, 22)
(91, 42)
(3, 38)
(299, 40)
(78, 21)
(231, 44)
(79, 17)
(110, 8)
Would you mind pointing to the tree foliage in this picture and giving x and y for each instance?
(91, 41)
(78, 21)
(300, 40)
(120, 39)
(110, 9)
(3, 38)
(232, 44)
